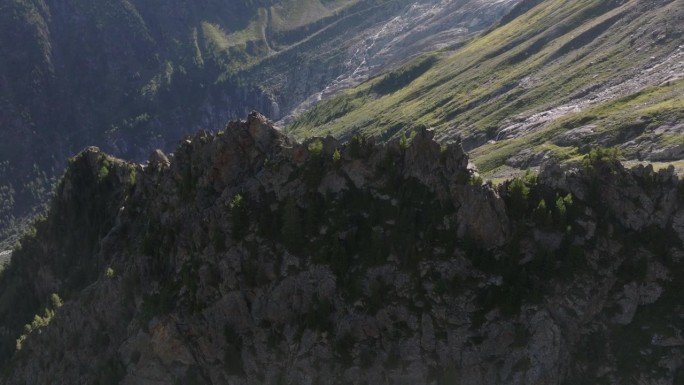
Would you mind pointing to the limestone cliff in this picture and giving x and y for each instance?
(248, 258)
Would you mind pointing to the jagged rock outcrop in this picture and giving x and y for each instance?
(638, 198)
(249, 258)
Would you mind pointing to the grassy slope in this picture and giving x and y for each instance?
(291, 14)
(547, 57)
(237, 49)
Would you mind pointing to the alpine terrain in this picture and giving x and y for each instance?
(248, 258)
(434, 192)
(132, 76)
(554, 79)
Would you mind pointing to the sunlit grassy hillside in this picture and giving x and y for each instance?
(612, 68)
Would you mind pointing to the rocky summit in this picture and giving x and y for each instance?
(246, 257)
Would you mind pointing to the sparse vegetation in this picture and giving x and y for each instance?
(517, 194)
(476, 180)
(315, 148)
(109, 273)
(40, 321)
(599, 156)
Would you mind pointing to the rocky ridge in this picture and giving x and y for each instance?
(133, 76)
(248, 258)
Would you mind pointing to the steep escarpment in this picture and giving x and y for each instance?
(246, 257)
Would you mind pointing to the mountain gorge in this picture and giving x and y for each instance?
(248, 258)
(133, 76)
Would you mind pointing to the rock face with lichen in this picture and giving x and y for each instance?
(248, 258)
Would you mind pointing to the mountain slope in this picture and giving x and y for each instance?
(249, 258)
(132, 76)
(559, 77)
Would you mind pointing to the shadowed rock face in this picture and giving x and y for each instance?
(248, 258)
